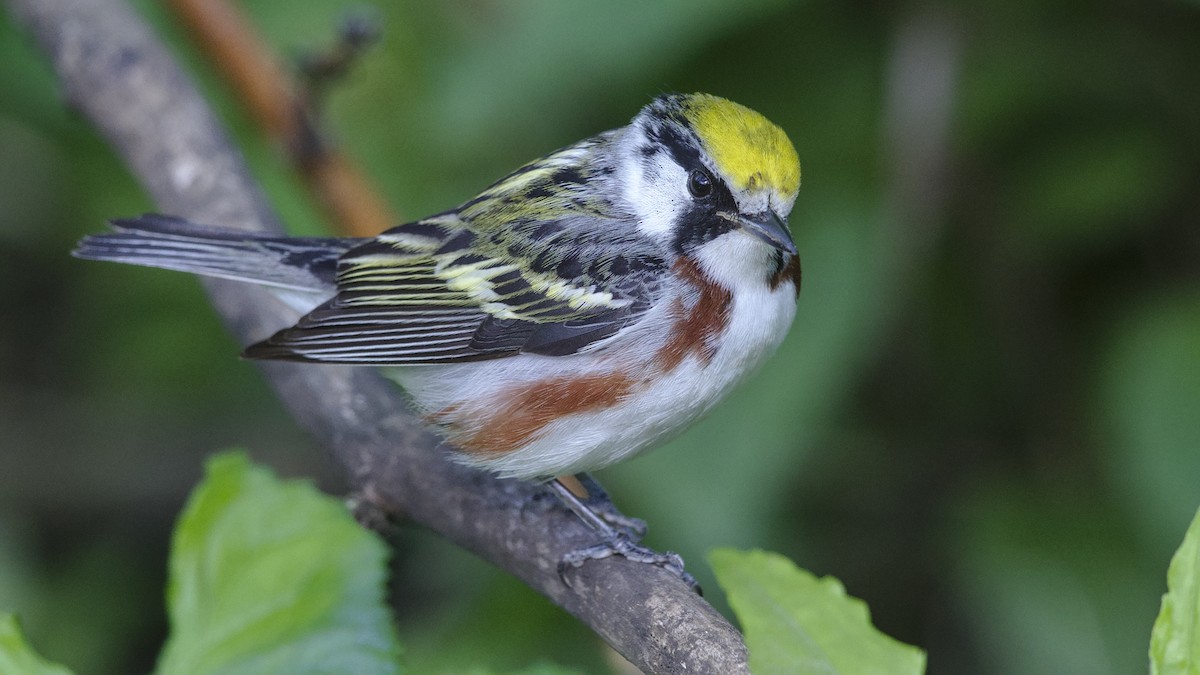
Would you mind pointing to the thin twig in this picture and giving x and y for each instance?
(114, 70)
(265, 89)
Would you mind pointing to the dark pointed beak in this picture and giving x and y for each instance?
(770, 228)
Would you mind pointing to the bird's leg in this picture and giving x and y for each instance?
(616, 542)
(598, 501)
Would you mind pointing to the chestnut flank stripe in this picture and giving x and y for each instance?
(523, 410)
(695, 331)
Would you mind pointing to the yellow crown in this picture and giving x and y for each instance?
(748, 149)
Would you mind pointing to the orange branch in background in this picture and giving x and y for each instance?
(266, 90)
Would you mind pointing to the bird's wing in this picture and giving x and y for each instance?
(482, 282)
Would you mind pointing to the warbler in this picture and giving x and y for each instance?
(581, 310)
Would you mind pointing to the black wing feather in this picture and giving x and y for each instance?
(486, 280)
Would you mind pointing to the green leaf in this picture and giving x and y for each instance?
(16, 656)
(797, 623)
(1175, 641)
(271, 576)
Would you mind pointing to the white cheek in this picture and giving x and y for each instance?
(656, 194)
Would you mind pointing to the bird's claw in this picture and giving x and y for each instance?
(625, 547)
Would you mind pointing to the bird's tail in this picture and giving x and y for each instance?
(153, 240)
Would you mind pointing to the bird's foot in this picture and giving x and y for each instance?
(599, 512)
(625, 547)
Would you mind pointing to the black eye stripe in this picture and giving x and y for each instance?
(699, 223)
(682, 146)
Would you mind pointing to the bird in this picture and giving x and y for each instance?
(581, 310)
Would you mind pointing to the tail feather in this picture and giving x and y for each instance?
(154, 240)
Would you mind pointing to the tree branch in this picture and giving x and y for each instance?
(116, 72)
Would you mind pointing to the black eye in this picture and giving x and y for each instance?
(700, 184)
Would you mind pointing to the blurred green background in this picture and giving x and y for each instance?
(985, 421)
